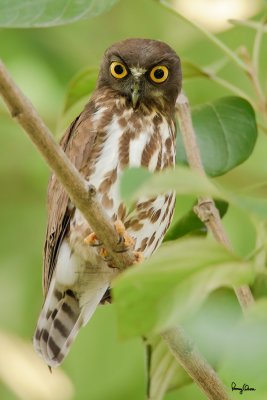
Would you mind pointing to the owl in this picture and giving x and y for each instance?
(128, 122)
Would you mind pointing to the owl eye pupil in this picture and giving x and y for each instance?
(118, 69)
(159, 73)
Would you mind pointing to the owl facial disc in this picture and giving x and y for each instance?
(146, 73)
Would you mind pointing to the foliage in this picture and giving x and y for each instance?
(188, 279)
(163, 370)
(80, 86)
(226, 131)
(45, 13)
(173, 284)
(189, 222)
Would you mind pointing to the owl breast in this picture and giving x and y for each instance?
(132, 138)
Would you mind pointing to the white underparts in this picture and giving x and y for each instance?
(67, 264)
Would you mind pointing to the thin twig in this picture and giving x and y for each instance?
(225, 49)
(253, 76)
(262, 127)
(83, 196)
(234, 89)
(248, 24)
(257, 47)
(85, 200)
(206, 209)
(195, 365)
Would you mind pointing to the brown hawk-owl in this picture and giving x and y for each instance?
(128, 122)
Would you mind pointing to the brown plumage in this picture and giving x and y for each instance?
(128, 122)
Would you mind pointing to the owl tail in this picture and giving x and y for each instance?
(60, 320)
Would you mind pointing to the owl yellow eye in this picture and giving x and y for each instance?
(159, 74)
(118, 70)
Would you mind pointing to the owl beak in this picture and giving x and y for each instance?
(135, 93)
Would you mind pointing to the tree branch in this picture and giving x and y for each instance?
(206, 209)
(186, 353)
(84, 198)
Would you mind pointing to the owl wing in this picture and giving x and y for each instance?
(77, 143)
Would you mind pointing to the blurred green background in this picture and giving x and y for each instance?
(42, 62)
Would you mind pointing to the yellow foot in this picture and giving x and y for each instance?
(92, 240)
(139, 257)
(124, 237)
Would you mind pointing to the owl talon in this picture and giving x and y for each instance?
(104, 254)
(139, 257)
(92, 240)
(124, 238)
(119, 226)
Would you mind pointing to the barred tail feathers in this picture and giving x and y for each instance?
(61, 318)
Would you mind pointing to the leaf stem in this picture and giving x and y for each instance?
(257, 46)
(232, 88)
(262, 108)
(262, 127)
(248, 24)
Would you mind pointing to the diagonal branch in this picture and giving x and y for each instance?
(188, 356)
(84, 198)
(206, 209)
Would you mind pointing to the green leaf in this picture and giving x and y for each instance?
(191, 70)
(190, 222)
(226, 134)
(171, 286)
(183, 180)
(80, 86)
(45, 13)
(131, 181)
(164, 372)
(211, 327)
(251, 204)
(259, 287)
(242, 231)
(249, 339)
(139, 183)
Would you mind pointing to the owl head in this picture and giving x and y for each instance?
(144, 71)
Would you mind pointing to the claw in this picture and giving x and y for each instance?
(124, 237)
(92, 240)
(103, 253)
(120, 228)
(139, 257)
